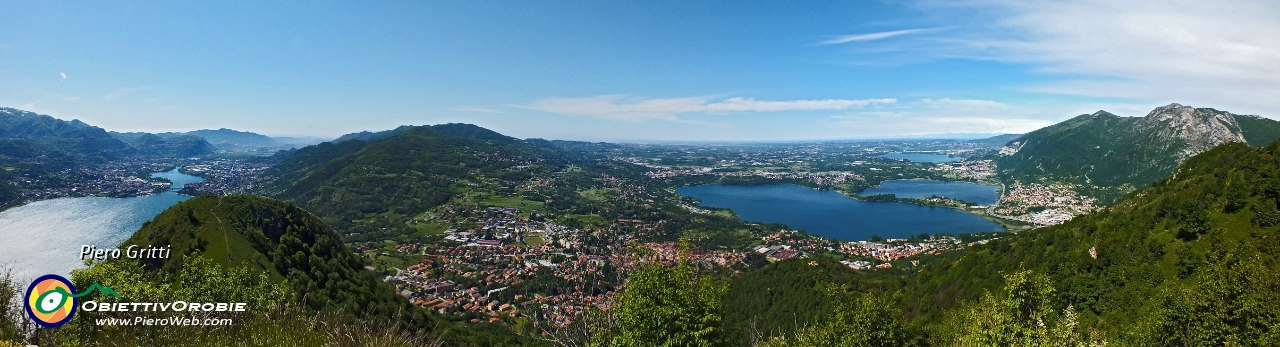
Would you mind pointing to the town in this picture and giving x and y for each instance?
(223, 176)
(117, 179)
(513, 262)
(1043, 204)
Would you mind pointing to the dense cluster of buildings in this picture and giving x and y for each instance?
(669, 253)
(786, 244)
(113, 179)
(474, 270)
(128, 178)
(1043, 204)
(891, 250)
(223, 177)
(968, 169)
(778, 252)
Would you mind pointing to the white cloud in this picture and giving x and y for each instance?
(872, 36)
(1222, 54)
(618, 107)
(63, 74)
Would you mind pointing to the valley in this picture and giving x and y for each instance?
(496, 240)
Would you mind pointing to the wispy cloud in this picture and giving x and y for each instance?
(929, 116)
(118, 93)
(48, 98)
(873, 36)
(1214, 54)
(960, 103)
(620, 107)
(856, 116)
(64, 75)
(474, 109)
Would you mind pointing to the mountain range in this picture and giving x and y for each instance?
(1124, 153)
(230, 140)
(25, 134)
(43, 134)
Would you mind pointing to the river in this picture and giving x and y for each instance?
(45, 237)
(834, 215)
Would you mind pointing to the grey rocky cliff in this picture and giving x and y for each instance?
(1191, 130)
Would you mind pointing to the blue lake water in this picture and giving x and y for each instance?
(44, 237)
(922, 157)
(964, 191)
(834, 215)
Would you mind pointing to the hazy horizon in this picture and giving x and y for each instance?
(945, 136)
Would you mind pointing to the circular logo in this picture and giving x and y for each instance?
(51, 301)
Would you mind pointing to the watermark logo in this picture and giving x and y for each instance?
(52, 300)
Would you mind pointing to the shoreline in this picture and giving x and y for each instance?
(24, 202)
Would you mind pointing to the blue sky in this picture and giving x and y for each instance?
(627, 71)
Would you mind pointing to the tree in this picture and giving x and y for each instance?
(857, 319)
(12, 315)
(1021, 315)
(1265, 213)
(666, 306)
(1236, 192)
(1230, 302)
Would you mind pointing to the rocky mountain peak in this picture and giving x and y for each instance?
(1197, 129)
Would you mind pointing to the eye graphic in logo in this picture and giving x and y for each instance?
(51, 300)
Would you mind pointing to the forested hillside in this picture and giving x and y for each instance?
(407, 173)
(171, 147)
(73, 138)
(1191, 260)
(281, 260)
(1111, 155)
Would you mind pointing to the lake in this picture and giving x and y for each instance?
(922, 157)
(44, 237)
(964, 191)
(834, 215)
